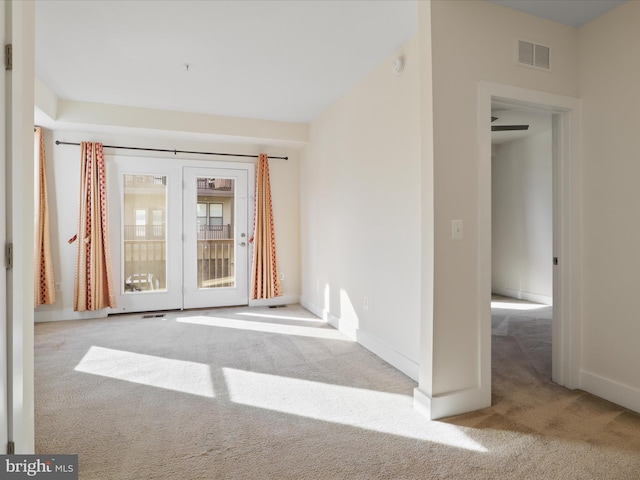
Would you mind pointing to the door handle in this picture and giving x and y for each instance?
(243, 244)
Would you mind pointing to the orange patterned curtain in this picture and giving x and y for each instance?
(94, 278)
(44, 284)
(265, 281)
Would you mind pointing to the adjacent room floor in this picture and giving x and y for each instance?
(528, 326)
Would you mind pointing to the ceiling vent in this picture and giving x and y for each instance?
(534, 55)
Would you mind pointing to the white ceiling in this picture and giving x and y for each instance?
(277, 60)
(282, 60)
(570, 12)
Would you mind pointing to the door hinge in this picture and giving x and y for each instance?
(8, 256)
(555, 260)
(8, 57)
(11, 448)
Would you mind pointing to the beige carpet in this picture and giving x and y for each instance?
(276, 394)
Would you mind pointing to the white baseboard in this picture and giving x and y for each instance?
(453, 403)
(522, 295)
(624, 395)
(407, 366)
(67, 314)
(350, 329)
(379, 348)
(281, 300)
(330, 318)
(312, 307)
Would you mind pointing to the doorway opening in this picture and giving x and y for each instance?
(522, 212)
(566, 248)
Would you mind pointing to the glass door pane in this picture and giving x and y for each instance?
(216, 230)
(145, 237)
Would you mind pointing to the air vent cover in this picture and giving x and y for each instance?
(534, 55)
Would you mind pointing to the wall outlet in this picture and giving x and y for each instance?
(58, 286)
(366, 303)
(281, 276)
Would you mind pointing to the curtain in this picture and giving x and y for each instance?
(44, 281)
(265, 280)
(94, 277)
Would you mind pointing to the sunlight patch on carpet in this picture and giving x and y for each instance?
(517, 306)
(177, 375)
(300, 331)
(355, 407)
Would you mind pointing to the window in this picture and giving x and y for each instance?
(215, 214)
(141, 223)
(209, 214)
(201, 214)
(157, 220)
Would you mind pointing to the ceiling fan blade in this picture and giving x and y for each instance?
(506, 128)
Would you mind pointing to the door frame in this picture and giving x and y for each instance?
(566, 334)
(171, 298)
(177, 164)
(18, 29)
(192, 296)
(4, 373)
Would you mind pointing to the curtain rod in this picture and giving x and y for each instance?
(175, 152)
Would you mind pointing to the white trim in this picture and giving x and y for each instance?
(394, 358)
(313, 308)
(20, 231)
(523, 295)
(566, 310)
(69, 314)
(348, 328)
(336, 322)
(281, 300)
(4, 420)
(407, 366)
(616, 392)
(448, 404)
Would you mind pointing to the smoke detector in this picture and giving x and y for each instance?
(397, 67)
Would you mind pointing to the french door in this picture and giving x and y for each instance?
(179, 233)
(215, 237)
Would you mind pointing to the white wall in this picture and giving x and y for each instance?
(522, 218)
(360, 213)
(64, 176)
(609, 79)
(472, 41)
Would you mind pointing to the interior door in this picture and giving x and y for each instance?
(215, 232)
(146, 233)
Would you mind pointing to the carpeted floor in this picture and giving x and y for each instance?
(277, 394)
